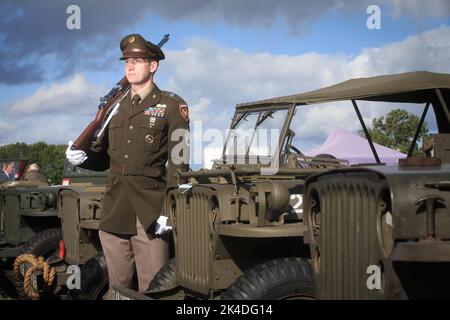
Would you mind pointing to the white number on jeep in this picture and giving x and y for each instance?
(296, 203)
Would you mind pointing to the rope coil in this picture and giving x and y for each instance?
(48, 273)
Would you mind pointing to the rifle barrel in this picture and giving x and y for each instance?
(164, 40)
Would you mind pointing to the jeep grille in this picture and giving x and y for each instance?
(193, 238)
(348, 239)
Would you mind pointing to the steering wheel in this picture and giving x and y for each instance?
(296, 152)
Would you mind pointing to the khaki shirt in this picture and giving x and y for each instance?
(143, 93)
(135, 147)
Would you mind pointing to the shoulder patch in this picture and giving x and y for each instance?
(184, 110)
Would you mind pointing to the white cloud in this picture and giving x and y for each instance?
(53, 113)
(426, 51)
(75, 95)
(317, 121)
(6, 131)
(213, 78)
(419, 9)
(209, 73)
(200, 109)
(207, 67)
(5, 126)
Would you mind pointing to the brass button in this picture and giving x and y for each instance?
(126, 156)
(128, 141)
(130, 127)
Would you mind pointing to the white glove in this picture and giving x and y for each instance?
(75, 157)
(185, 187)
(161, 225)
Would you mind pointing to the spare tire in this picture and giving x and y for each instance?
(42, 244)
(280, 279)
(165, 279)
(94, 279)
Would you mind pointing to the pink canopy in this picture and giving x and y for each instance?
(349, 146)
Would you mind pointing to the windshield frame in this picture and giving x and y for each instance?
(72, 171)
(262, 112)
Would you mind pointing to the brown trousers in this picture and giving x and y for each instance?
(143, 253)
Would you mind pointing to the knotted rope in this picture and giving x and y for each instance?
(48, 272)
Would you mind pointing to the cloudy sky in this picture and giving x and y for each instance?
(220, 53)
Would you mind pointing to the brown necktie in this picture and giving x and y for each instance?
(136, 99)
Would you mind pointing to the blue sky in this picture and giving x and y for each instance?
(220, 53)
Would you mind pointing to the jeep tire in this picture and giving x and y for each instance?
(165, 279)
(44, 244)
(94, 279)
(286, 278)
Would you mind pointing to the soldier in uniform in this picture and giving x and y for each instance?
(149, 129)
(34, 175)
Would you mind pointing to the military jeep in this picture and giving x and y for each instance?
(72, 237)
(80, 209)
(8, 236)
(241, 231)
(27, 208)
(7, 182)
(382, 232)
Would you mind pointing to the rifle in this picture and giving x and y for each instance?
(118, 91)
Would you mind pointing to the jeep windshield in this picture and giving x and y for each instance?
(431, 91)
(73, 174)
(71, 170)
(254, 136)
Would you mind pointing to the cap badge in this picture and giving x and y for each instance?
(131, 39)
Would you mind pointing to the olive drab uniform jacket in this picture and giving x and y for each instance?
(135, 147)
(36, 177)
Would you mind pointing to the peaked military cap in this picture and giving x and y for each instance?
(135, 46)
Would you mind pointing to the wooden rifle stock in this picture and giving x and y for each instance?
(89, 134)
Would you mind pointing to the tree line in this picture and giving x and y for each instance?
(50, 157)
